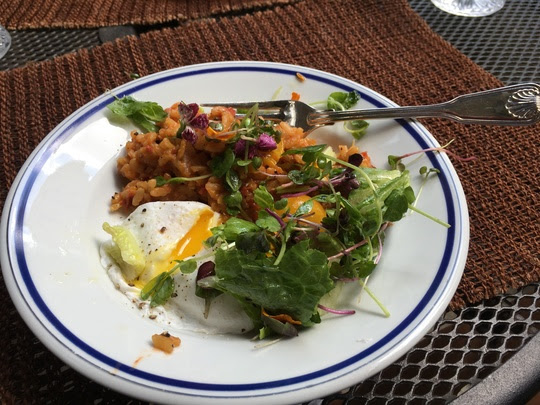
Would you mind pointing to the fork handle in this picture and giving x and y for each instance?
(511, 105)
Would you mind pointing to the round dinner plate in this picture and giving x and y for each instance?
(51, 232)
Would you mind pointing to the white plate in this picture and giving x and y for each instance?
(51, 229)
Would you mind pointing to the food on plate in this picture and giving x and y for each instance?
(147, 243)
(154, 235)
(165, 342)
(238, 224)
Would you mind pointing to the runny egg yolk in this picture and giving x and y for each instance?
(192, 241)
(317, 212)
(190, 244)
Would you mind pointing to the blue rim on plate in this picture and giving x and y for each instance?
(15, 266)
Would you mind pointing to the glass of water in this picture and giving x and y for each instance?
(5, 41)
(470, 8)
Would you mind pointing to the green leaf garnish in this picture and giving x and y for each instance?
(188, 266)
(222, 163)
(256, 162)
(230, 230)
(313, 149)
(357, 128)
(162, 292)
(304, 209)
(159, 289)
(233, 180)
(233, 202)
(281, 204)
(145, 114)
(396, 206)
(268, 222)
(303, 176)
(339, 100)
(263, 198)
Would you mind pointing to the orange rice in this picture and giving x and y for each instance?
(163, 154)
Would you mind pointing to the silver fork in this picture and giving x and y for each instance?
(511, 105)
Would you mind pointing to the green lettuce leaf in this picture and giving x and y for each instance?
(125, 251)
(293, 287)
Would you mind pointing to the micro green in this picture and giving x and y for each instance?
(161, 181)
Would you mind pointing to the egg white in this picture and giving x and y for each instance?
(158, 227)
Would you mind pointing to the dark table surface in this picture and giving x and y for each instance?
(484, 354)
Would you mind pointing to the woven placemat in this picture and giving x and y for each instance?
(25, 14)
(381, 44)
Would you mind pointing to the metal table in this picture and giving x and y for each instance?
(486, 353)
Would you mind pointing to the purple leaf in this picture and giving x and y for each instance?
(240, 149)
(189, 135)
(188, 111)
(200, 121)
(265, 143)
(347, 184)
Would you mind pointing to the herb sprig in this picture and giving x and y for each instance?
(145, 114)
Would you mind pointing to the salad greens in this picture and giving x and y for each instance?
(143, 113)
(280, 265)
(283, 263)
(293, 287)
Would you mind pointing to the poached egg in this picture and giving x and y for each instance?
(147, 243)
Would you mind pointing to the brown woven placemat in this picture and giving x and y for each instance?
(381, 44)
(24, 14)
